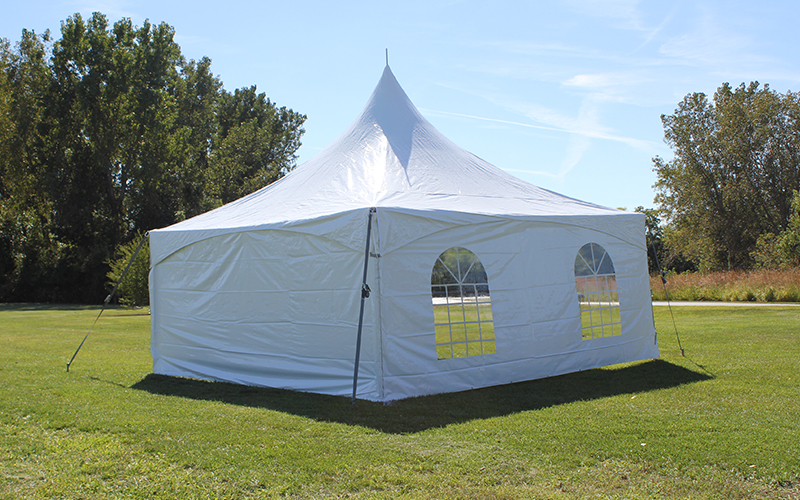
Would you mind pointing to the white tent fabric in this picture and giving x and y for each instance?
(266, 290)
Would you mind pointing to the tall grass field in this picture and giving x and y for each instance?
(768, 285)
(721, 422)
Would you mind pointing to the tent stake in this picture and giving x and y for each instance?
(364, 294)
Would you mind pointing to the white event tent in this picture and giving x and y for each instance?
(477, 278)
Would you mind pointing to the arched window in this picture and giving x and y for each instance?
(462, 309)
(597, 292)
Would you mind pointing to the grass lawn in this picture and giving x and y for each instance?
(722, 422)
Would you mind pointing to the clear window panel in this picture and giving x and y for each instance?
(462, 308)
(586, 319)
(444, 351)
(440, 314)
(596, 289)
(473, 331)
(443, 334)
(475, 349)
(605, 316)
(460, 350)
(487, 331)
(459, 332)
(456, 312)
(486, 312)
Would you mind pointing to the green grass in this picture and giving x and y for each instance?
(721, 422)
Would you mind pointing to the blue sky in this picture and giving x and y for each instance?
(564, 94)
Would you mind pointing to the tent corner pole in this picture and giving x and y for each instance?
(364, 295)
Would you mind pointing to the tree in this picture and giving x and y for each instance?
(661, 258)
(736, 165)
(782, 250)
(789, 239)
(198, 95)
(112, 90)
(30, 256)
(132, 288)
(255, 144)
(109, 132)
(654, 239)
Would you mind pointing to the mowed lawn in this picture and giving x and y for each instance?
(721, 422)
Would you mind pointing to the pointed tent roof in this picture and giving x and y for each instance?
(390, 157)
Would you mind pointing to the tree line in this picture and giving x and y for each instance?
(109, 131)
(728, 199)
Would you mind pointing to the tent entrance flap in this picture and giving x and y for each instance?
(364, 295)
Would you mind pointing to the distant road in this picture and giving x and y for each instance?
(729, 304)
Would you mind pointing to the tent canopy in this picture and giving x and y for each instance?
(390, 157)
(266, 290)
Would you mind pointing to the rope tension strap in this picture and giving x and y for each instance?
(110, 296)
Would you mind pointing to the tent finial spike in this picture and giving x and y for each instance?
(387, 56)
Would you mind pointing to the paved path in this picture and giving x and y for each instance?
(730, 304)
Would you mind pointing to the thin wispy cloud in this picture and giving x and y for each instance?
(655, 32)
(434, 112)
(621, 81)
(552, 122)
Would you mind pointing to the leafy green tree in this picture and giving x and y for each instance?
(789, 240)
(654, 239)
(6, 132)
(113, 99)
(198, 93)
(133, 287)
(108, 132)
(736, 164)
(255, 144)
(659, 256)
(31, 258)
(782, 250)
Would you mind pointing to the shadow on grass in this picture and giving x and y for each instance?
(421, 413)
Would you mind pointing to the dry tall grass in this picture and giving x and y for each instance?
(768, 285)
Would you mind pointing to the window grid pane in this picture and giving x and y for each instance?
(596, 286)
(462, 308)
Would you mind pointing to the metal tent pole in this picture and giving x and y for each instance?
(364, 295)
